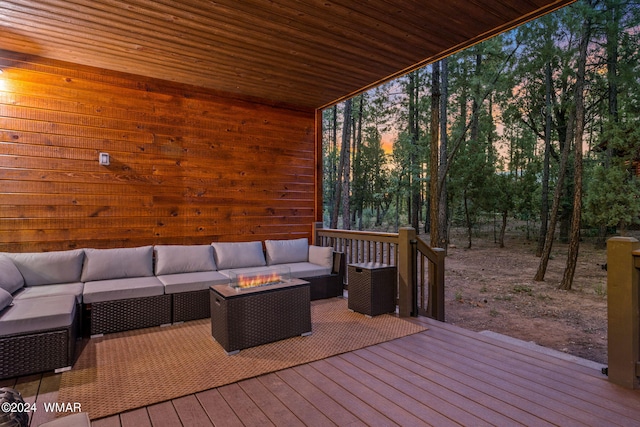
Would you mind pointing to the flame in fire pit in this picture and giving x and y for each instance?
(252, 281)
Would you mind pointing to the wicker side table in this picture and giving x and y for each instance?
(372, 288)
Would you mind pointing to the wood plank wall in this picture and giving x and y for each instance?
(188, 165)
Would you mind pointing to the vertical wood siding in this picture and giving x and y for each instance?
(188, 165)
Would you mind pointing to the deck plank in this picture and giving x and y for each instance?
(271, 405)
(521, 389)
(552, 383)
(305, 412)
(407, 368)
(248, 412)
(325, 403)
(113, 421)
(448, 402)
(367, 390)
(47, 393)
(163, 415)
(359, 408)
(395, 390)
(136, 418)
(218, 410)
(191, 412)
(555, 369)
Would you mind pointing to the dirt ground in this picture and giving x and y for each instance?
(492, 288)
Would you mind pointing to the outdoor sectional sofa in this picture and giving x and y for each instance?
(48, 299)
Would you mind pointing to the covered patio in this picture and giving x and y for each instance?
(195, 102)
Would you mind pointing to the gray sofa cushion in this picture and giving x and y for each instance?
(188, 282)
(174, 259)
(49, 268)
(230, 255)
(50, 290)
(38, 314)
(5, 299)
(10, 278)
(116, 289)
(321, 255)
(285, 251)
(108, 264)
(306, 269)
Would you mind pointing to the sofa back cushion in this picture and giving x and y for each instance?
(5, 299)
(321, 255)
(238, 255)
(287, 251)
(49, 268)
(10, 278)
(107, 264)
(175, 259)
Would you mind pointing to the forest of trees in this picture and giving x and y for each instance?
(539, 124)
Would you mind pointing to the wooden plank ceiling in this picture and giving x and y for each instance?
(308, 53)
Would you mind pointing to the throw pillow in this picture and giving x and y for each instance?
(105, 264)
(175, 259)
(286, 251)
(10, 278)
(5, 299)
(238, 255)
(49, 268)
(321, 255)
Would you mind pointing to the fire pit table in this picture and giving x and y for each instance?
(243, 317)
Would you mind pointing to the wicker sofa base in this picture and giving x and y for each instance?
(246, 320)
(323, 287)
(191, 306)
(40, 351)
(133, 313)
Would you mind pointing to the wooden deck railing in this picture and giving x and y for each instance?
(420, 267)
(429, 265)
(623, 307)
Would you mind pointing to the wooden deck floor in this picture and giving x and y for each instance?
(444, 376)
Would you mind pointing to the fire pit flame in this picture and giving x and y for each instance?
(252, 281)
(268, 276)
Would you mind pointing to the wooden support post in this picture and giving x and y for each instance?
(405, 269)
(315, 239)
(622, 307)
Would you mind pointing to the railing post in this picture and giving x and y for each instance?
(315, 238)
(622, 307)
(414, 278)
(435, 308)
(405, 270)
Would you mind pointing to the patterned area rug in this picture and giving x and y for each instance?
(127, 370)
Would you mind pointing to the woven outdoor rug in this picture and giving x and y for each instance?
(128, 370)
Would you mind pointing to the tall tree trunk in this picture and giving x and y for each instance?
(443, 219)
(433, 161)
(557, 198)
(475, 105)
(357, 144)
(503, 227)
(344, 164)
(467, 217)
(574, 242)
(544, 205)
(613, 35)
(414, 126)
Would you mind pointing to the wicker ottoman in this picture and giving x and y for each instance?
(372, 288)
(242, 319)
